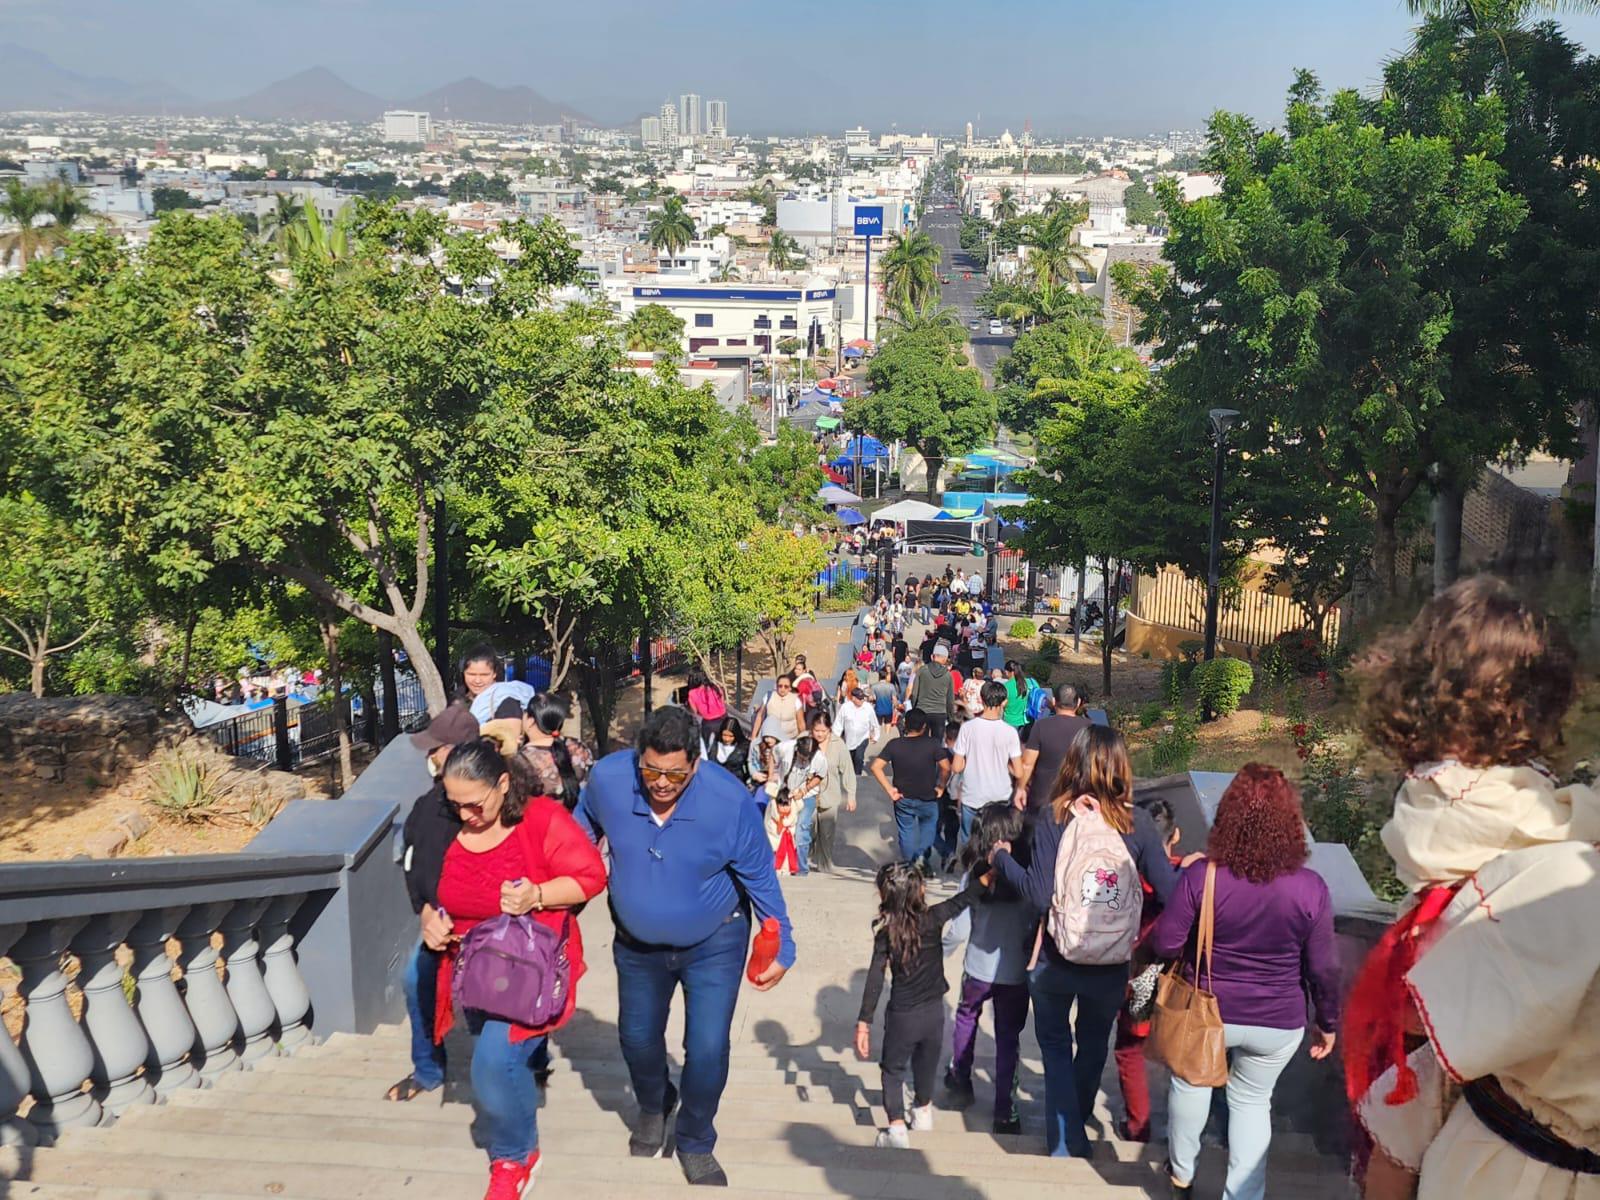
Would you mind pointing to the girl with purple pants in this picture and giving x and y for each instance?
(999, 931)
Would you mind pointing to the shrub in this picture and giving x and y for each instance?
(1191, 649)
(1222, 683)
(1176, 745)
(1150, 715)
(1296, 652)
(182, 787)
(1049, 649)
(1175, 675)
(1340, 807)
(1022, 627)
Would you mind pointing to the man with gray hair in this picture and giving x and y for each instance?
(933, 690)
(1047, 748)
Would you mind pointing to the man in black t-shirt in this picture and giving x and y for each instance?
(921, 767)
(1047, 746)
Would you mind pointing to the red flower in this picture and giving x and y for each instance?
(1322, 678)
(1299, 730)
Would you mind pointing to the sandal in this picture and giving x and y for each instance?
(407, 1089)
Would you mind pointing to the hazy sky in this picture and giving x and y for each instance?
(1121, 66)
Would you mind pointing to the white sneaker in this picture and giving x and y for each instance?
(894, 1138)
(920, 1119)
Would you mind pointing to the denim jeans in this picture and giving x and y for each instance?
(915, 823)
(805, 831)
(421, 983)
(504, 1089)
(1256, 1057)
(710, 973)
(1071, 1080)
(968, 816)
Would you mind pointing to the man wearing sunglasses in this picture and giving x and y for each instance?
(689, 863)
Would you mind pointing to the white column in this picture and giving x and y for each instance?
(13, 1072)
(160, 1007)
(118, 1040)
(288, 990)
(215, 1022)
(245, 987)
(58, 1054)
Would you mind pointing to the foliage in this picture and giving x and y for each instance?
(1341, 807)
(1173, 750)
(1222, 683)
(183, 786)
(653, 327)
(923, 395)
(1050, 648)
(171, 199)
(1023, 627)
(1296, 652)
(672, 228)
(932, 316)
(475, 185)
(783, 252)
(784, 478)
(910, 270)
(1142, 207)
(1046, 362)
(1150, 714)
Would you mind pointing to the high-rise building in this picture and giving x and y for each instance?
(689, 115)
(402, 126)
(650, 131)
(717, 118)
(969, 134)
(669, 123)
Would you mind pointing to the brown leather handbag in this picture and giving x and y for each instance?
(1186, 1033)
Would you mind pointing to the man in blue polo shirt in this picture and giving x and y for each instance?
(689, 861)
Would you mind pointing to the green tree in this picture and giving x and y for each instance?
(23, 205)
(910, 269)
(783, 252)
(904, 318)
(1142, 206)
(171, 199)
(672, 228)
(1046, 361)
(922, 395)
(654, 327)
(1054, 258)
(1006, 207)
(783, 477)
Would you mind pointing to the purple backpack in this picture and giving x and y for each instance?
(516, 970)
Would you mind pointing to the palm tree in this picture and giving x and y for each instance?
(1032, 307)
(24, 205)
(1053, 256)
(729, 272)
(1005, 205)
(911, 269)
(1054, 202)
(279, 222)
(907, 318)
(672, 228)
(70, 210)
(311, 237)
(783, 253)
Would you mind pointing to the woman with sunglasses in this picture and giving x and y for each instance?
(517, 854)
(783, 710)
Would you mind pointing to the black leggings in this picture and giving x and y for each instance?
(912, 1038)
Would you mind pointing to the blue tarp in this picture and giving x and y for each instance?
(853, 352)
(815, 396)
(850, 516)
(839, 572)
(870, 448)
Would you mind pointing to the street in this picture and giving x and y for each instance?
(944, 226)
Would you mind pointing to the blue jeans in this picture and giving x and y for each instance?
(710, 973)
(916, 822)
(968, 816)
(1071, 1081)
(421, 984)
(1257, 1056)
(804, 832)
(504, 1088)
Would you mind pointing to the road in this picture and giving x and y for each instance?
(944, 226)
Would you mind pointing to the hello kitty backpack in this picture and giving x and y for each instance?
(1094, 913)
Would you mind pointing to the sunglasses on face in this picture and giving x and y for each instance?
(652, 774)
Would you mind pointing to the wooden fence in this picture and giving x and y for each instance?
(1248, 616)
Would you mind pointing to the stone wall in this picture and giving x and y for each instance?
(74, 738)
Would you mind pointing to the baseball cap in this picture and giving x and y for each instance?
(942, 650)
(859, 693)
(452, 727)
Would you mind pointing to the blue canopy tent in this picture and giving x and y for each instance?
(869, 449)
(853, 352)
(849, 516)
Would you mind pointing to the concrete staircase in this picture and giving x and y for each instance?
(798, 1118)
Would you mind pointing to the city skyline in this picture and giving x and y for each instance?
(1163, 65)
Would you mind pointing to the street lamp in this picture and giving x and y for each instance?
(1222, 420)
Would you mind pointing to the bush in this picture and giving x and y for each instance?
(1297, 652)
(1176, 746)
(1050, 649)
(1175, 675)
(1150, 715)
(182, 787)
(1222, 683)
(1022, 627)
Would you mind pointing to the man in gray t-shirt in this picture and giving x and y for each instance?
(1048, 743)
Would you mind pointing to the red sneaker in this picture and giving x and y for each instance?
(508, 1179)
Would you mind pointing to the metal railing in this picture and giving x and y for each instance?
(288, 736)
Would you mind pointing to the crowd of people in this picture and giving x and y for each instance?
(1466, 1040)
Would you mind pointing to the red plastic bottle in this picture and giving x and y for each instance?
(765, 951)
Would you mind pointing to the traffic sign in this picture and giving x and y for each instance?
(869, 220)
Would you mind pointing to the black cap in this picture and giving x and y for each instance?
(452, 727)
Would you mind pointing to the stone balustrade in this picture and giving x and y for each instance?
(306, 928)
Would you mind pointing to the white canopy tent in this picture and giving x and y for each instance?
(907, 510)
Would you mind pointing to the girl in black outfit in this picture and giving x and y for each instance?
(728, 746)
(907, 938)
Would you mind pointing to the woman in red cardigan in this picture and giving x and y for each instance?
(515, 854)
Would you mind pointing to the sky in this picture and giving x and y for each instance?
(1113, 66)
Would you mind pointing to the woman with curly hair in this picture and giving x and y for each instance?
(1273, 938)
(1474, 1028)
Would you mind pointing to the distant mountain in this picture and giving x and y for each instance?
(30, 80)
(471, 99)
(316, 94)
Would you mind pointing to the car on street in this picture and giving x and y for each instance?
(972, 325)
(996, 328)
(944, 279)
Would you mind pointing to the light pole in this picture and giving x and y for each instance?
(1222, 420)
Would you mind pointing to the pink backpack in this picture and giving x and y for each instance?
(1094, 913)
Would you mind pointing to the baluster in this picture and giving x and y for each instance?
(246, 988)
(14, 1131)
(288, 990)
(160, 1007)
(58, 1054)
(216, 1024)
(118, 1040)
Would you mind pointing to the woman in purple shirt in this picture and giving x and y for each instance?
(1274, 940)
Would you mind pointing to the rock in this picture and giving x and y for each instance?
(136, 823)
(108, 843)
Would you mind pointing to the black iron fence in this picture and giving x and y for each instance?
(290, 735)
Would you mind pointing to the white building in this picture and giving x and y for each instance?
(740, 321)
(669, 123)
(650, 131)
(827, 220)
(689, 114)
(401, 125)
(717, 118)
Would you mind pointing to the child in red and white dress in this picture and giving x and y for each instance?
(1473, 1043)
(783, 818)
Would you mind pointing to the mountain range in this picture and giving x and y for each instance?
(29, 80)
